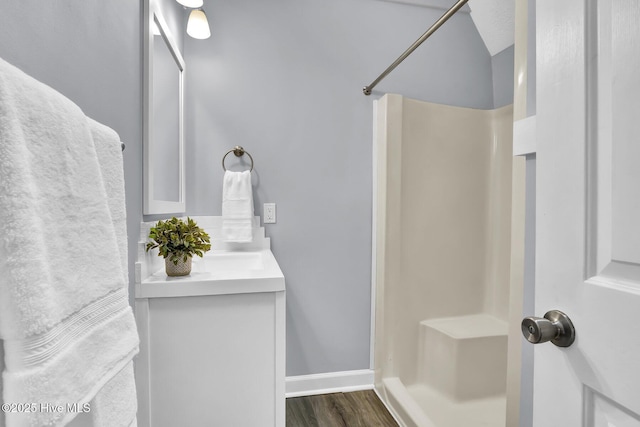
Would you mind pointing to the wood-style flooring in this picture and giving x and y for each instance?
(356, 409)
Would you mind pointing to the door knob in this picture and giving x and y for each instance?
(555, 326)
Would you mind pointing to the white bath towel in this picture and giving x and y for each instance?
(109, 154)
(237, 207)
(67, 326)
(116, 403)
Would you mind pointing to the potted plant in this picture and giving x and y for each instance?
(177, 242)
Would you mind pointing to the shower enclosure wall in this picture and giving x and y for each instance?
(442, 251)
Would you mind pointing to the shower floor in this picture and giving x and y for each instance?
(422, 406)
(486, 412)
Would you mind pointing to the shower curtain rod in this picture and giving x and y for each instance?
(444, 18)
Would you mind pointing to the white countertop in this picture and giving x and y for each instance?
(219, 272)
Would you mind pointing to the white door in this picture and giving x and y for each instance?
(588, 211)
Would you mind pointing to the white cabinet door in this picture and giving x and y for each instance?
(588, 211)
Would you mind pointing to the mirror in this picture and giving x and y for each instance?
(163, 139)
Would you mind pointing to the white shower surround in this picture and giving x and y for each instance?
(442, 249)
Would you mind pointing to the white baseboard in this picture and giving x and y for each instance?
(330, 382)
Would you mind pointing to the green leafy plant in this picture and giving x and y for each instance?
(177, 239)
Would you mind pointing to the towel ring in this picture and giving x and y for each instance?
(239, 152)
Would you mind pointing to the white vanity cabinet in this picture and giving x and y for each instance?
(212, 349)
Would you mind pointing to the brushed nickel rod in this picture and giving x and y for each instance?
(444, 18)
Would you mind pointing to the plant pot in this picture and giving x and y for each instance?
(183, 268)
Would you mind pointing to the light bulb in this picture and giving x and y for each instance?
(198, 26)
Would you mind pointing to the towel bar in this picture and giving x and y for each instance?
(239, 152)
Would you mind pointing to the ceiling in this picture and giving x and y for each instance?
(494, 19)
(495, 22)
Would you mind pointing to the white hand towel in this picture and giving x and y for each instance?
(65, 319)
(237, 207)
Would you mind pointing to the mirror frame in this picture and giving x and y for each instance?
(151, 205)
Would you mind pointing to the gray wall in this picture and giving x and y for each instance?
(90, 52)
(502, 67)
(531, 58)
(284, 79)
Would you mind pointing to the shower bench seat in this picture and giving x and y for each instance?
(464, 357)
(461, 375)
